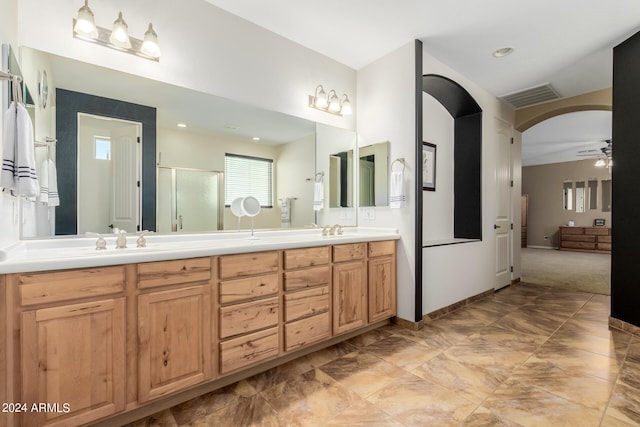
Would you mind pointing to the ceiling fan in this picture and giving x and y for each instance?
(604, 154)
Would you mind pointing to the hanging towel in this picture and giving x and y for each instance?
(318, 195)
(285, 213)
(396, 196)
(18, 156)
(49, 184)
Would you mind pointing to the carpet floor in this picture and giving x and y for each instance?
(579, 271)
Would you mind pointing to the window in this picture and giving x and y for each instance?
(248, 176)
(103, 148)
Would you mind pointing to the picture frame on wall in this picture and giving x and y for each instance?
(598, 222)
(428, 166)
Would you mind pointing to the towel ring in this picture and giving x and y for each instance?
(398, 160)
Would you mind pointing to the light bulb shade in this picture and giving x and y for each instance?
(334, 102)
(345, 106)
(120, 33)
(600, 163)
(150, 44)
(321, 100)
(85, 24)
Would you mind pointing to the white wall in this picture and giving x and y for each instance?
(437, 206)
(453, 273)
(386, 99)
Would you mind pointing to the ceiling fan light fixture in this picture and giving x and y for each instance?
(600, 163)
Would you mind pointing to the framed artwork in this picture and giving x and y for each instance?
(428, 166)
(598, 222)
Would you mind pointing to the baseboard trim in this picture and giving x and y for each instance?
(407, 324)
(515, 281)
(623, 326)
(456, 305)
(543, 247)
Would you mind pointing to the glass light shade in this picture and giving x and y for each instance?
(334, 102)
(345, 107)
(150, 44)
(321, 97)
(600, 163)
(85, 23)
(120, 33)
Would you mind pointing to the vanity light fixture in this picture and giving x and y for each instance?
(330, 103)
(85, 28)
(600, 163)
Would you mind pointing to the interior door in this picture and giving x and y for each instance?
(367, 183)
(503, 218)
(125, 164)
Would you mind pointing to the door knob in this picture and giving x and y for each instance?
(495, 226)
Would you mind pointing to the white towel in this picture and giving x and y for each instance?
(318, 196)
(49, 184)
(396, 195)
(285, 213)
(18, 156)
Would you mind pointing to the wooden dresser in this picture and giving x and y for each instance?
(585, 239)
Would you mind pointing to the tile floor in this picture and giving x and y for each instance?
(525, 356)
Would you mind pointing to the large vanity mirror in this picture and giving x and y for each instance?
(186, 138)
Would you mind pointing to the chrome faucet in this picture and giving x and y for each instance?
(326, 230)
(121, 239)
(101, 244)
(335, 230)
(142, 242)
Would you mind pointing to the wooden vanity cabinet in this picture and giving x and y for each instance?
(349, 287)
(382, 280)
(306, 280)
(249, 309)
(72, 354)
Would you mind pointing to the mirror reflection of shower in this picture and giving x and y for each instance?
(189, 200)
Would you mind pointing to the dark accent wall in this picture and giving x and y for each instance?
(467, 174)
(68, 105)
(625, 210)
(418, 184)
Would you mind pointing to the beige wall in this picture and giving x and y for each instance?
(543, 185)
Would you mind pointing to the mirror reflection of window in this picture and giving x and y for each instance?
(103, 148)
(606, 195)
(592, 193)
(581, 196)
(567, 195)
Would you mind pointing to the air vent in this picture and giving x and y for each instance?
(531, 96)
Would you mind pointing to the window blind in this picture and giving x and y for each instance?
(248, 176)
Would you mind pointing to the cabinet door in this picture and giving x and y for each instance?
(73, 358)
(349, 296)
(175, 340)
(382, 288)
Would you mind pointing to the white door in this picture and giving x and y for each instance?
(503, 219)
(125, 193)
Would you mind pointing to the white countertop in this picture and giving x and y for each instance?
(80, 252)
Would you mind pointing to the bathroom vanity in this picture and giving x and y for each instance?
(95, 334)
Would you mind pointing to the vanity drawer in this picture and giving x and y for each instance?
(248, 317)
(164, 273)
(349, 252)
(306, 303)
(307, 257)
(249, 288)
(377, 249)
(43, 288)
(246, 350)
(306, 278)
(248, 264)
(307, 331)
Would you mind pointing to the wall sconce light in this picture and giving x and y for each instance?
(330, 103)
(85, 28)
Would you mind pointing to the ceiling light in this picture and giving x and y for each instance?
(182, 125)
(255, 138)
(120, 33)
(600, 163)
(85, 28)
(499, 53)
(331, 103)
(150, 43)
(85, 24)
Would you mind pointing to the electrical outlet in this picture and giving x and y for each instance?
(368, 214)
(345, 214)
(546, 237)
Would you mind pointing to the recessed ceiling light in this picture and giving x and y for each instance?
(182, 125)
(255, 138)
(502, 52)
